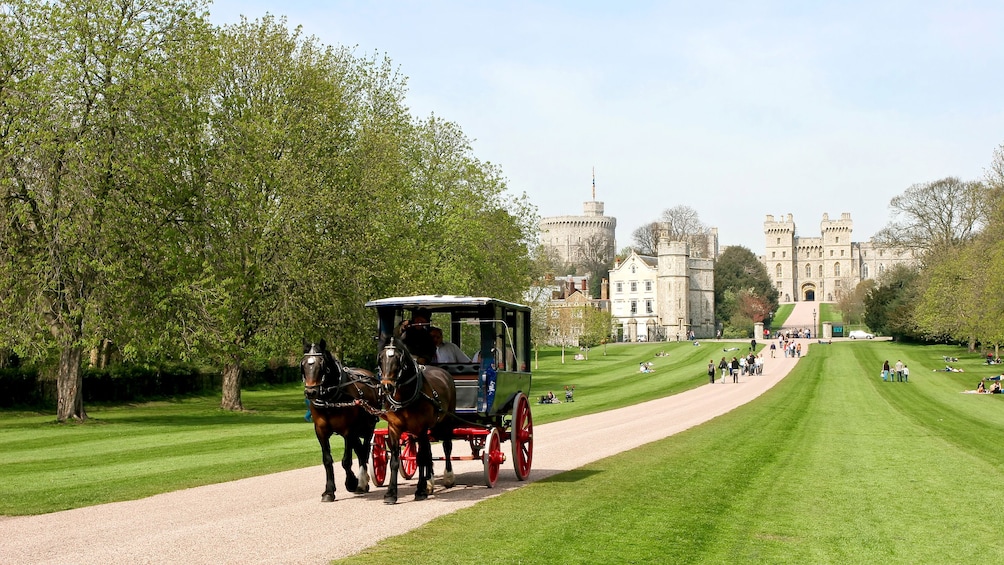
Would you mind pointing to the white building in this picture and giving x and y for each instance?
(664, 297)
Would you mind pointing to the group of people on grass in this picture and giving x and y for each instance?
(900, 374)
(549, 398)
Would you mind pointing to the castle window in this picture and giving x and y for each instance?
(779, 275)
(838, 239)
(620, 287)
(881, 269)
(634, 306)
(784, 254)
(648, 306)
(648, 286)
(820, 271)
(836, 269)
(831, 253)
(820, 254)
(881, 252)
(634, 287)
(808, 270)
(864, 271)
(841, 252)
(836, 284)
(779, 241)
(773, 254)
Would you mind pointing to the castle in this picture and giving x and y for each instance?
(823, 268)
(650, 298)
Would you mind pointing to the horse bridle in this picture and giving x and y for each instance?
(391, 387)
(323, 391)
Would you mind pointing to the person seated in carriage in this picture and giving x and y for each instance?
(417, 336)
(447, 351)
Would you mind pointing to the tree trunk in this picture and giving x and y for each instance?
(232, 387)
(69, 385)
(972, 344)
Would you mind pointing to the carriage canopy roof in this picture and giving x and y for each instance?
(441, 302)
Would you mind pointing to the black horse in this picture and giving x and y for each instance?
(343, 401)
(419, 400)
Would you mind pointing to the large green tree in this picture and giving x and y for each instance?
(89, 93)
(738, 272)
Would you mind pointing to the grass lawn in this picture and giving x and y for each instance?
(783, 311)
(831, 466)
(125, 452)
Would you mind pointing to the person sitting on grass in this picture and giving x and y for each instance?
(980, 389)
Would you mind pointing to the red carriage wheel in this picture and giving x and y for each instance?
(492, 457)
(409, 456)
(521, 436)
(379, 458)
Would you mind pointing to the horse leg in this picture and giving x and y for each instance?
(351, 482)
(449, 480)
(394, 444)
(363, 455)
(329, 472)
(424, 467)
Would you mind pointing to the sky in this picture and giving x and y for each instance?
(736, 109)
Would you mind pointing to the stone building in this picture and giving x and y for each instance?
(576, 239)
(664, 297)
(823, 268)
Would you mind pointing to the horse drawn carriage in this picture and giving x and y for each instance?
(489, 404)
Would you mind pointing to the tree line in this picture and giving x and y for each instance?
(179, 190)
(954, 294)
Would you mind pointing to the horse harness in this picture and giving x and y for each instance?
(328, 396)
(419, 377)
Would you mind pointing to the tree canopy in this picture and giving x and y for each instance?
(218, 193)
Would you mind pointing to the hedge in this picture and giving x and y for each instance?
(24, 387)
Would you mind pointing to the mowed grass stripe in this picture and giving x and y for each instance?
(827, 467)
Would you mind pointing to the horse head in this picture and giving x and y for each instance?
(316, 368)
(393, 360)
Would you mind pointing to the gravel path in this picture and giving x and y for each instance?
(279, 518)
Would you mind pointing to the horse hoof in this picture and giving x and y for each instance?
(421, 496)
(326, 497)
(390, 500)
(363, 489)
(352, 484)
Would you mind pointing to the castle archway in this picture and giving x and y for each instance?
(809, 292)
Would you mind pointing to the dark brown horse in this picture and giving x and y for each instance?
(419, 400)
(343, 401)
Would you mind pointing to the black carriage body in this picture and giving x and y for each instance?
(494, 333)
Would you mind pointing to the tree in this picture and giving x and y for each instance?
(890, 307)
(679, 223)
(596, 258)
(738, 271)
(943, 213)
(852, 304)
(90, 92)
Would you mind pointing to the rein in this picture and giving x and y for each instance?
(418, 377)
(327, 395)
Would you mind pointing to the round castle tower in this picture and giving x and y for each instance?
(571, 236)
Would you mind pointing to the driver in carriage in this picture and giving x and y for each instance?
(417, 336)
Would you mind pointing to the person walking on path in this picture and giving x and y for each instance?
(724, 366)
(885, 370)
(711, 371)
(735, 370)
(906, 374)
(899, 371)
